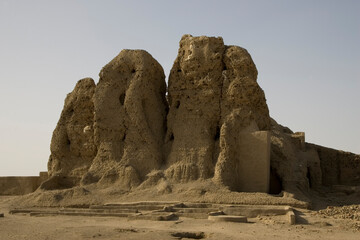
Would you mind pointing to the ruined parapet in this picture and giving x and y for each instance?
(299, 137)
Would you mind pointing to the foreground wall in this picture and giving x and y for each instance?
(21, 185)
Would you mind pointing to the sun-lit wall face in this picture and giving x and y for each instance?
(306, 52)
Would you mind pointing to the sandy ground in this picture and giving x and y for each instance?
(310, 225)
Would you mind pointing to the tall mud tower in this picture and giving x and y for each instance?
(213, 96)
(112, 132)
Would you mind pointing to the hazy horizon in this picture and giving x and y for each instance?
(307, 54)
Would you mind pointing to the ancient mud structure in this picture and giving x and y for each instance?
(210, 123)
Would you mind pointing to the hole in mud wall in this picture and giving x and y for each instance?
(133, 71)
(309, 177)
(217, 133)
(171, 137)
(68, 142)
(275, 182)
(165, 129)
(177, 104)
(122, 99)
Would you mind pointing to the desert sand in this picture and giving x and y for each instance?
(311, 225)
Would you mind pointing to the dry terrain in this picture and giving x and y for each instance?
(311, 225)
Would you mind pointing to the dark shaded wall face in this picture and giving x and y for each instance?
(19, 185)
(338, 167)
(275, 182)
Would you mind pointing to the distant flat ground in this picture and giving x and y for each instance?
(310, 226)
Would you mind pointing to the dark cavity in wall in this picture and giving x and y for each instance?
(275, 182)
(309, 177)
(177, 104)
(171, 137)
(122, 99)
(217, 133)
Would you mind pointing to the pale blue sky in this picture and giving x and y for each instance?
(307, 54)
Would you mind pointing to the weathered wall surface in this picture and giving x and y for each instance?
(298, 168)
(254, 167)
(72, 144)
(211, 87)
(195, 86)
(338, 167)
(123, 128)
(130, 111)
(240, 88)
(112, 131)
(244, 163)
(21, 185)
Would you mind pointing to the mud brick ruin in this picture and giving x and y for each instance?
(210, 124)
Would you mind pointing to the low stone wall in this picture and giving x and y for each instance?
(339, 167)
(21, 185)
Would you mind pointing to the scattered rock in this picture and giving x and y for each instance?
(344, 212)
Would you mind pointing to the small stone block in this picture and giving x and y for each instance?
(228, 218)
(291, 217)
(216, 213)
